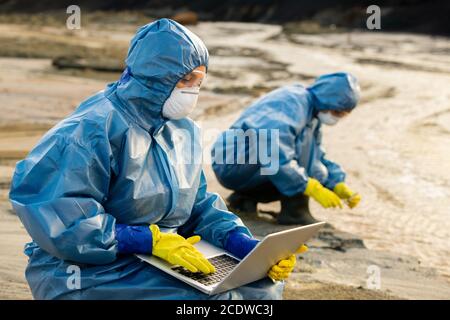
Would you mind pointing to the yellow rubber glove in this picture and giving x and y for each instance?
(283, 268)
(327, 198)
(180, 251)
(344, 192)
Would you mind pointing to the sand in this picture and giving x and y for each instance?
(395, 146)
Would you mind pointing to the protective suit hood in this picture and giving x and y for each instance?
(160, 54)
(336, 91)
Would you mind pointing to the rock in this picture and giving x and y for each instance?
(73, 62)
(339, 240)
(186, 17)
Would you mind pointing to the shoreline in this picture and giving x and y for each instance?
(335, 266)
(401, 224)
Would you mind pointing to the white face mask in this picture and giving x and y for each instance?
(180, 103)
(327, 118)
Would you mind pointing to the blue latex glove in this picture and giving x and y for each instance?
(240, 244)
(134, 239)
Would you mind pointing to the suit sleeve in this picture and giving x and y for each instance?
(211, 219)
(335, 172)
(57, 193)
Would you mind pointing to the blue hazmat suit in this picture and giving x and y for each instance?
(292, 110)
(114, 165)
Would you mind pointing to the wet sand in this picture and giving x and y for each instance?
(395, 146)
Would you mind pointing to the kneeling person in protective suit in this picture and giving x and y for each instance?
(297, 113)
(111, 180)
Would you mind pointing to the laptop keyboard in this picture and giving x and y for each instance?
(224, 264)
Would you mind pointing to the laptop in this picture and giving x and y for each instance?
(232, 272)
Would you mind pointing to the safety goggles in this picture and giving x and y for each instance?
(340, 114)
(195, 78)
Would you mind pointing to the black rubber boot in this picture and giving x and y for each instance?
(295, 210)
(240, 204)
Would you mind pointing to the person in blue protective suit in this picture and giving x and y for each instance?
(122, 175)
(297, 112)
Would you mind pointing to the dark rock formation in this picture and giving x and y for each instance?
(429, 16)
